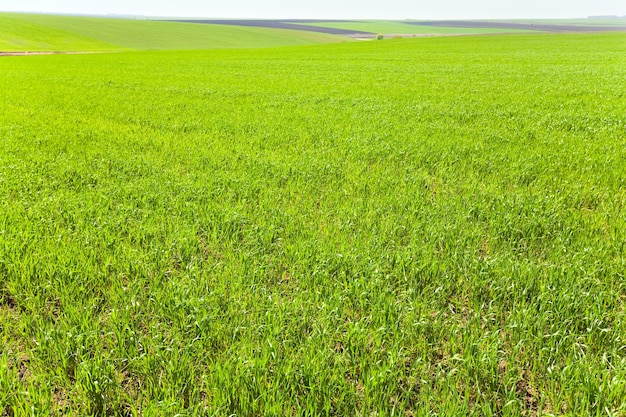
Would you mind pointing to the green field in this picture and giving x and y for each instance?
(398, 27)
(408, 227)
(32, 32)
(575, 22)
(404, 28)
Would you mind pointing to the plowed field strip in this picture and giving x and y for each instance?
(278, 24)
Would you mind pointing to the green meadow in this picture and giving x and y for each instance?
(616, 21)
(32, 32)
(404, 28)
(406, 227)
(408, 27)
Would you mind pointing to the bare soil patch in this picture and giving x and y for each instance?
(23, 53)
(301, 24)
(28, 53)
(282, 24)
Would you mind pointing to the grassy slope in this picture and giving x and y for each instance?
(382, 26)
(576, 22)
(399, 27)
(21, 33)
(71, 33)
(413, 226)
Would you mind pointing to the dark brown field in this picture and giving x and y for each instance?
(282, 24)
(301, 24)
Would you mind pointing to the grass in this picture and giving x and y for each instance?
(408, 227)
(576, 22)
(398, 27)
(34, 32)
(19, 33)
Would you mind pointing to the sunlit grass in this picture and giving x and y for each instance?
(408, 227)
(405, 28)
(33, 32)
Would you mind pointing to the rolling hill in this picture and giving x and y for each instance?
(34, 32)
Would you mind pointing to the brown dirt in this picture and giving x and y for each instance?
(24, 368)
(29, 53)
(301, 24)
(281, 24)
(24, 53)
(7, 301)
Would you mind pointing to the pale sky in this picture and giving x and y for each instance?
(336, 9)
